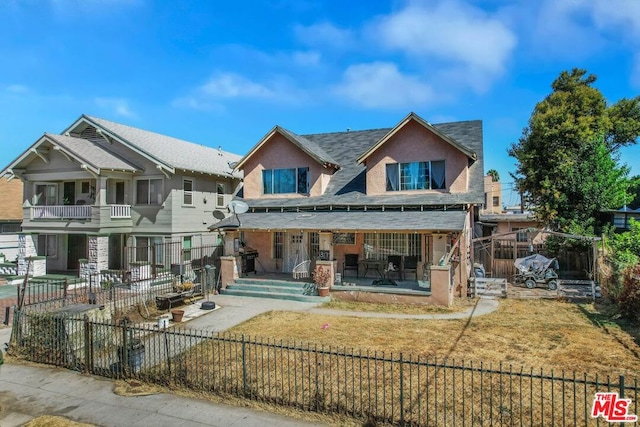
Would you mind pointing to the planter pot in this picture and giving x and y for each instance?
(177, 315)
(323, 292)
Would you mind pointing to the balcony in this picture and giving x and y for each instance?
(79, 212)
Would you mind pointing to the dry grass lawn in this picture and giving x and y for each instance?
(538, 334)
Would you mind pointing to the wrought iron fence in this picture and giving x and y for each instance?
(397, 389)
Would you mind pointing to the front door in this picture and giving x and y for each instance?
(76, 250)
(69, 193)
(296, 250)
(120, 193)
(115, 251)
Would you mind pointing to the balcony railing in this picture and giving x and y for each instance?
(76, 212)
(120, 211)
(61, 212)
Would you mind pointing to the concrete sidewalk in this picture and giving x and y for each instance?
(26, 391)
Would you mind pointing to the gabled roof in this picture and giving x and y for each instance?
(168, 152)
(316, 152)
(414, 117)
(347, 186)
(87, 153)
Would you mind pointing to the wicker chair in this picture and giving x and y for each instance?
(302, 270)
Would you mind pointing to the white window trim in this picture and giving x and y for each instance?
(185, 192)
(224, 194)
(147, 178)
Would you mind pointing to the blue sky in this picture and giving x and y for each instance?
(222, 73)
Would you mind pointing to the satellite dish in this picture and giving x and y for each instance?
(218, 214)
(238, 207)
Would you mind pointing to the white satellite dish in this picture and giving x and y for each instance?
(238, 207)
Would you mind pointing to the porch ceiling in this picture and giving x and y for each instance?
(348, 221)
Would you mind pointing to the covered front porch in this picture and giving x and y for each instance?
(401, 258)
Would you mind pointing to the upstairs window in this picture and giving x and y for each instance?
(416, 176)
(220, 192)
(496, 201)
(285, 181)
(46, 194)
(187, 191)
(149, 191)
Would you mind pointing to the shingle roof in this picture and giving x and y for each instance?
(348, 185)
(91, 153)
(354, 220)
(173, 152)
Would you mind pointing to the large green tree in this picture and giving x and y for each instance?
(567, 157)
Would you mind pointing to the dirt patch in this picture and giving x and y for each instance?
(55, 421)
(130, 388)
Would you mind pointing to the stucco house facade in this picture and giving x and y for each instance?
(411, 191)
(100, 186)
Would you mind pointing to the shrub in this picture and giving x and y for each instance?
(629, 298)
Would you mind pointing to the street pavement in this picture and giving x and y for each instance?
(28, 391)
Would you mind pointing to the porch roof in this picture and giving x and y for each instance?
(347, 221)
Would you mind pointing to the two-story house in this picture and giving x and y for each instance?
(408, 192)
(101, 186)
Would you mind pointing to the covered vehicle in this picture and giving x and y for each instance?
(537, 269)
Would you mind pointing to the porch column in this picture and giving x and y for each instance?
(325, 240)
(101, 191)
(441, 284)
(98, 252)
(28, 254)
(228, 270)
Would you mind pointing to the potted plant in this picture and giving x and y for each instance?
(322, 279)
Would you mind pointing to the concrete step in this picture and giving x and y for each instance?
(300, 290)
(278, 295)
(271, 282)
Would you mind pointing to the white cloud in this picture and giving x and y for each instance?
(324, 34)
(451, 31)
(17, 89)
(232, 85)
(118, 106)
(306, 58)
(380, 85)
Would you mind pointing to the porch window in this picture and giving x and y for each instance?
(285, 181)
(47, 245)
(187, 191)
(221, 190)
(380, 245)
(521, 235)
(149, 191)
(146, 247)
(415, 176)
(46, 194)
(314, 245)
(186, 248)
(278, 245)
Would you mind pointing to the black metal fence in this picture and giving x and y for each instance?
(395, 389)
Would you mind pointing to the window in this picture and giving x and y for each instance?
(278, 242)
(146, 247)
(84, 187)
(149, 191)
(187, 191)
(10, 227)
(416, 176)
(283, 181)
(344, 238)
(380, 245)
(47, 245)
(496, 201)
(46, 194)
(521, 234)
(220, 192)
(186, 248)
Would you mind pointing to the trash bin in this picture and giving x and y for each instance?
(135, 355)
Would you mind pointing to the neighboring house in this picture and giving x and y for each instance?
(10, 217)
(410, 191)
(621, 218)
(101, 186)
(508, 222)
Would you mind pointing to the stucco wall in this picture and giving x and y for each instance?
(414, 143)
(279, 153)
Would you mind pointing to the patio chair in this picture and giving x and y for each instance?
(410, 265)
(394, 266)
(301, 270)
(350, 263)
